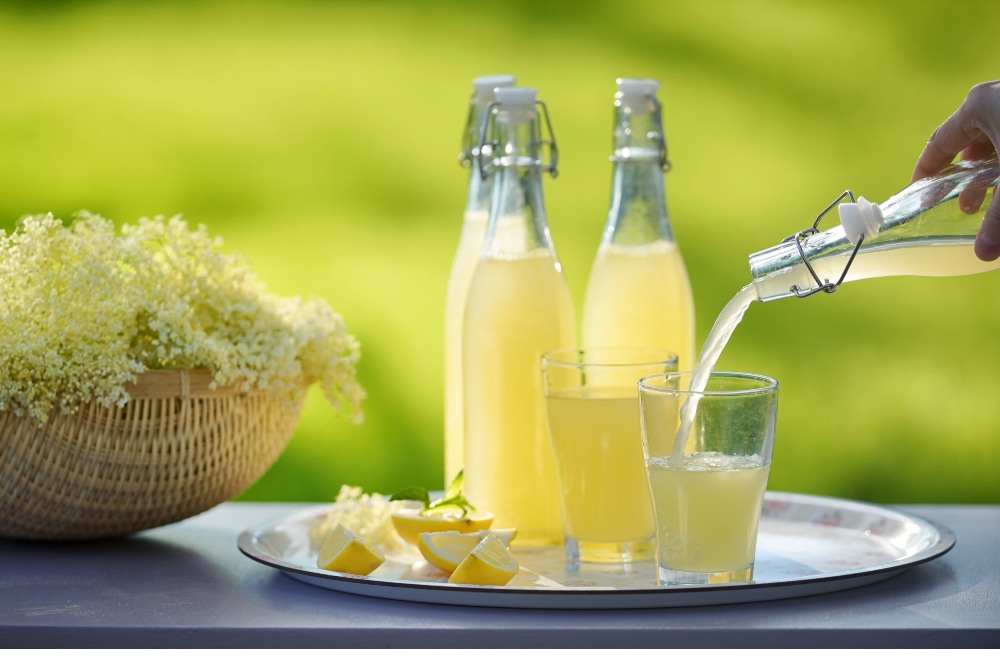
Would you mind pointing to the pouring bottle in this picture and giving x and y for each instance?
(518, 308)
(470, 242)
(921, 231)
(638, 294)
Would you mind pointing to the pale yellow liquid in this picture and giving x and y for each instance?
(707, 511)
(640, 297)
(595, 438)
(469, 245)
(926, 259)
(519, 307)
(933, 259)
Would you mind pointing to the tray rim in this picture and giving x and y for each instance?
(945, 543)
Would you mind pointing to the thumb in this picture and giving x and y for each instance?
(988, 238)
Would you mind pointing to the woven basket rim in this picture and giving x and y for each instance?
(180, 383)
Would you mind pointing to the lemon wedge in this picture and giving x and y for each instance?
(346, 552)
(446, 550)
(489, 564)
(409, 523)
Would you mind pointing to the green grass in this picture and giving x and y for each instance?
(320, 140)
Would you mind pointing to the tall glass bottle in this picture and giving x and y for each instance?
(921, 231)
(639, 295)
(519, 307)
(477, 215)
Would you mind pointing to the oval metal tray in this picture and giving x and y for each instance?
(806, 545)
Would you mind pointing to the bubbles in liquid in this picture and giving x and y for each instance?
(707, 462)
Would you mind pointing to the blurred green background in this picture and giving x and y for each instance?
(320, 140)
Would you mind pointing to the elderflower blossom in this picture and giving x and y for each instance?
(84, 310)
(369, 516)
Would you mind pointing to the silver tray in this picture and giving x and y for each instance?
(807, 545)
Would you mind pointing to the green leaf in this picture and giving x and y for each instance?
(455, 488)
(451, 501)
(449, 504)
(413, 493)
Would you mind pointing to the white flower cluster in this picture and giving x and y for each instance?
(83, 310)
(367, 516)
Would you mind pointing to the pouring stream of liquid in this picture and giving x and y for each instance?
(716, 342)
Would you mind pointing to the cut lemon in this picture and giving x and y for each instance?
(409, 523)
(489, 564)
(446, 550)
(346, 552)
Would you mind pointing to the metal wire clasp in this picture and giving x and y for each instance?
(659, 138)
(468, 150)
(489, 148)
(827, 287)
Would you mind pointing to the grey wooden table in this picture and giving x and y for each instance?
(186, 585)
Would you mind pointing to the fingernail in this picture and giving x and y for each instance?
(987, 246)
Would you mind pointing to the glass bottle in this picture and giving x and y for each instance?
(477, 215)
(921, 231)
(519, 307)
(639, 295)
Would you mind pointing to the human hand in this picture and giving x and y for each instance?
(973, 131)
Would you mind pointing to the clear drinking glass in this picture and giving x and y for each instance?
(708, 490)
(592, 405)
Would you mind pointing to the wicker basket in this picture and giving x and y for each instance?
(176, 449)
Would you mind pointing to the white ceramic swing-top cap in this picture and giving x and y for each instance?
(637, 87)
(516, 97)
(637, 95)
(864, 217)
(485, 85)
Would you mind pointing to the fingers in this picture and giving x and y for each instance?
(934, 192)
(988, 239)
(954, 135)
(971, 198)
(962, 129)
(979, 149)
(974, 131)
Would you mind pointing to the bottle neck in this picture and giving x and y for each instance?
(924, 232)
(518, 224)
(638, 211)
(480, 191)
(478, 199)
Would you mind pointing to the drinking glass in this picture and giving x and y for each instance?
(592, 405)
(707, 491)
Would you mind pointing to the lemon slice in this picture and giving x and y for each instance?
(447, 549)
(346, 552)
(489, 564)
(409, 523)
